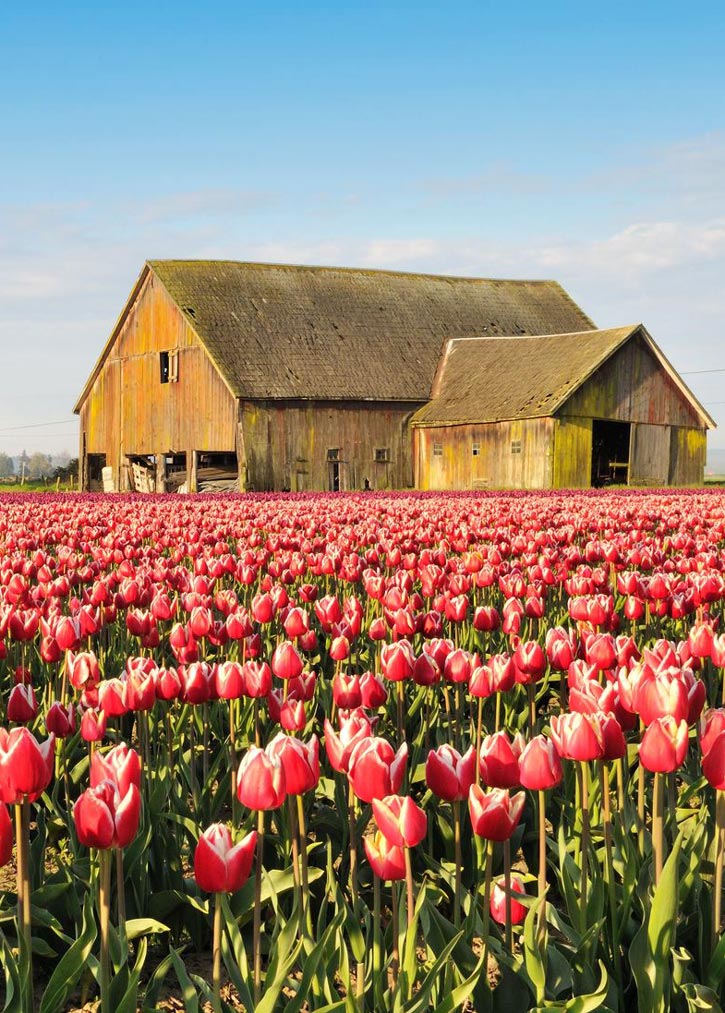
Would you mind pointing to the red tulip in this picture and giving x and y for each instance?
(659, 694)
(400, 820)
(373, 692)
(561, 648)
(120, 765)
(494, 814)
(397, 660)
(198, 682)
(529, 661)
(539, 764)
(22, 706)
(300, 762)
(498, 901)
(111, 698)
(450, 775)
(346, 691)
(257, 679)
(105, 818)
(286, 662)
(375, 770)
(499, 760)
(339, 747)
(664, 745)
(386, 860)
(93, 725)
(577, 737)
(219, 865)
(261, 781)
(229, 680)
(82, 669)
(168, 684)
(60, 720)
(26, 765)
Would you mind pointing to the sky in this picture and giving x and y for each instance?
(574, 141)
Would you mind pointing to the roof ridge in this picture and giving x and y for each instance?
(153, 263)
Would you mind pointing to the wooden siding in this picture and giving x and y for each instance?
(495, 466)
(649, 455)
(572, 453)
(129, 411)
(632, 387)
(688, 450)
(285, 445)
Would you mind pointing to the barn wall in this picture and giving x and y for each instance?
(572, 453)
(286, 444)
(649, 462)
(495, 466)
(632, 387)
(129, 410)
(688, 450)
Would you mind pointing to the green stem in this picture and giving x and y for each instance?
(409, 886)
(583, 775)
(542, 873)
(121, 901)
(458, 861)
(479, 732)
(257, 922)
(508, 931)
(717, 899)
(395, 959)
(217, 954)
(302, 828)
(104, 904)
(658, 821)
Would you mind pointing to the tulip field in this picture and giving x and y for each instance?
(364, 752)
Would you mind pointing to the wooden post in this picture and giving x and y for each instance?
(161, 473)
(191, 470)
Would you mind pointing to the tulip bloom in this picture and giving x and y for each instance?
(60, 720)
(498, 901)
(300, 762)
(494, 814)
(120, 765)
(397, 661)
(26, 765)
(577, 737)
(499, 760)
(400, 820)
(540, 765)
(93, 725)
(450, 775)
(261, 781)
(664, 745)
(373, 692)
(219, 865)
(105, 818)
(386, 860)
(339, 747)
(286, 662)
(375, 770)
(22, 706)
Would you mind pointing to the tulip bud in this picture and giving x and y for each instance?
(220, 866)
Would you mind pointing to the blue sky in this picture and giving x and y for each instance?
(576, 141)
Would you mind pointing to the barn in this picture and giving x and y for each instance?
(228, 375)
(593, 408)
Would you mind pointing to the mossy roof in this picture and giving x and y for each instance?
(488, 379)
(289, 332)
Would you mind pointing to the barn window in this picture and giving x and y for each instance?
(382, 455)
(476, 449)
(169, 366)
(333, 454)
(437, 450)
(515, 446)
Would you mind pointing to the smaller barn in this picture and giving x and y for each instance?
(595, 407)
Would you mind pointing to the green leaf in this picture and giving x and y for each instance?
(129, 1002)
(534, 959)
(136, 927)
(311, 963)
(13, 986)
(234, 955)
(700, 998)
(71, 965)
(590, 1003)
(188, 992)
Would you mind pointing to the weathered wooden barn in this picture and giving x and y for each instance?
(559, 411)
(221, 374)
(283, 377)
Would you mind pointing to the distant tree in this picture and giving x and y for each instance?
(7, 468)
(67, 469)
(39, 466)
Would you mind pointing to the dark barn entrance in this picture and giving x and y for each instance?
(610, 452)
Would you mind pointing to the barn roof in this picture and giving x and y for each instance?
(282, 331)
(496, 379)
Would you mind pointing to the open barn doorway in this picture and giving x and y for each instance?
(610, 452)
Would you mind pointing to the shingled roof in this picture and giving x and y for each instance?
(278, 331)
(497, 379)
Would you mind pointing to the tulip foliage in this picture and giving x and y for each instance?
(363, 752)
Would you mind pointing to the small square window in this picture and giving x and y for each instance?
(382, 455)
(437, 450)
(333, 454)
(476, 449)
(169, 366)
(515, 446)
